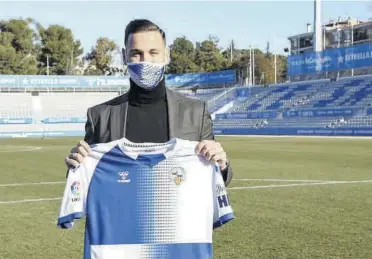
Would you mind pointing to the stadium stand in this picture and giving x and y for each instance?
(314, 104)
(290, 108)
(61, 113)
(16, 107)
(61, 107)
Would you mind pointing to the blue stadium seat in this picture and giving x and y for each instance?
(337, 97)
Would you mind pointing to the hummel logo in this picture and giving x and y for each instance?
(123, 177)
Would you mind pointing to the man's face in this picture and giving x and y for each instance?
(146, 47)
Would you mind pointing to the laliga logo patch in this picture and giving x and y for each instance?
(123, 177)
(75, 190)
(177, 175)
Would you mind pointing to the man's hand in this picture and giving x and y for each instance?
(213, 152)
(77, 154)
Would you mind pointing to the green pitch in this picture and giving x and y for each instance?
(296, 198)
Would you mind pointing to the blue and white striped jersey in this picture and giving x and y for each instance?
(146, 201)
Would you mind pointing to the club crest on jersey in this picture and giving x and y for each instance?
(177, 175)
(124, 177)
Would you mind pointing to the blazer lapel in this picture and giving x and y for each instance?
(174, 114)
(118, 119)
(123, 119)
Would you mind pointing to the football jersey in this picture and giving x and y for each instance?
(146, 201)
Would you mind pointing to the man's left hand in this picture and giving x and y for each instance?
(213, 152)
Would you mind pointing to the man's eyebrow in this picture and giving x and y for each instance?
(135, 50)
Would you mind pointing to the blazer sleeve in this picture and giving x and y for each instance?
(89, 128)
(89, 131)
(207, 134)
(207, 125)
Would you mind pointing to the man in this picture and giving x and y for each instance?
(150, 112)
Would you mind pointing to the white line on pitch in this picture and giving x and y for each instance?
(25, 184)
(19, 148)
(260, 180)
(230, 188)
(29, 200)
(296, 184)
(282, 180)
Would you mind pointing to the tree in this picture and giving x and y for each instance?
(22, 40)
(241, 63)
(264, 65)
(8, 60)
(231, 53)
(208, 56)
(25, 50)
(268, 49)
(282, 68)
(63, 51)
(182, 57)
(100, 57)
(17, 47)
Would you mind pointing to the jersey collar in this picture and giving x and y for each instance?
(135, 150)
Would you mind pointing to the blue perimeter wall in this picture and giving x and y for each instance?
(40, 134)
(295, 131)
(218, 131)
(367, 131)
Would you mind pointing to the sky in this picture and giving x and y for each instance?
(246, 22)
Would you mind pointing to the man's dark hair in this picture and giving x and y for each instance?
(142, 25)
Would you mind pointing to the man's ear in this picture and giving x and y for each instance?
(124, 55)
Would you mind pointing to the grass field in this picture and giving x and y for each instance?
(293, 198)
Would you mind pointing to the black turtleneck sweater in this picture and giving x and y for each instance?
(147, 118)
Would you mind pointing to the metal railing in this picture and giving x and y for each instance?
(225, 94)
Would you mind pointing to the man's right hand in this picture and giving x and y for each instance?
(77, 154)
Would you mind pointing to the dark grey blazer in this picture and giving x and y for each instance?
(188, 119)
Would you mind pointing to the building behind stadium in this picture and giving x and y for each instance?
(345, 51)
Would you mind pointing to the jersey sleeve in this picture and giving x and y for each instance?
(223, 211)
(74, 196)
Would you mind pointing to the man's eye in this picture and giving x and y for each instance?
(154, 53)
